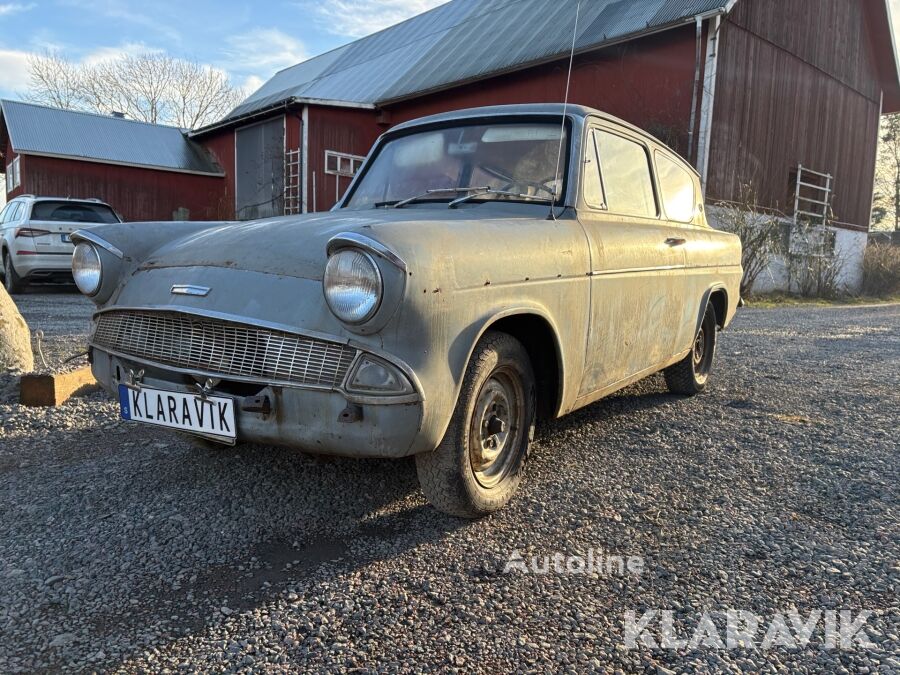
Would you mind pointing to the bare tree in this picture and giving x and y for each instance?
(54, 81)
(761, 234)
(886, 211)
(152, 88)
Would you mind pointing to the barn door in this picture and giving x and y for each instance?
(259, 170)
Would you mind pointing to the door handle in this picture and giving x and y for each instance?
(675, 241)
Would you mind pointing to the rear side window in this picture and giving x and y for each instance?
(73, 212)
(627, 179)
(677, 189)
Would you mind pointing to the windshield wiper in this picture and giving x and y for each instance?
(429, 193)
(500, 193)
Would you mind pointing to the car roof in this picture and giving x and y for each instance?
(34, 198)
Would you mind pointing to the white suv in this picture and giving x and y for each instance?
(35, 242)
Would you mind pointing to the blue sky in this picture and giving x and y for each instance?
(250, 41)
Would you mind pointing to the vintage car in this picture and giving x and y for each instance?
(486, 268)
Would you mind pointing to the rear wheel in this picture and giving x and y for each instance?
(11, 281)
(479, 464)
(691, 375)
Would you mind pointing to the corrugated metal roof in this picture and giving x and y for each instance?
(39, 130)
(461, 41)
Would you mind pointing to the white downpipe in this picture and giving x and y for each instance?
(304, 161)
(709, 99)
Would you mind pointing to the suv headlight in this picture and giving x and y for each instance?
(353, 286)
(87, 268)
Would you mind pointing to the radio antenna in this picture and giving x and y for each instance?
(562, 130)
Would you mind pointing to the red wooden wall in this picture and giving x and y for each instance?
(346, 130)
(796, 87)
(135, 194)
(648, 82)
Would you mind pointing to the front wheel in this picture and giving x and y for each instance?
(478, 466)
(691, 375)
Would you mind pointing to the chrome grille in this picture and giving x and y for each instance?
(224, 348)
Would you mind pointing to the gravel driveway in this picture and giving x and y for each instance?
(128, 548)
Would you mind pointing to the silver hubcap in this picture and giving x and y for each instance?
(495, 432)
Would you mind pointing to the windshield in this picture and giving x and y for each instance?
(73, 212)
(513, 158)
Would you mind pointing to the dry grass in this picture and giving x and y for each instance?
(881, 270)
(775, 300)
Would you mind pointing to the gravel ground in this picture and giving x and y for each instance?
(129, 549)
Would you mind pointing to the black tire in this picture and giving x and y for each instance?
(481, 460)
(690, 376)
(11, 280)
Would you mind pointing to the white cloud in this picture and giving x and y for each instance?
(356, 18)
(251, 84)
(13, 72)
(7, 8)
(122, 11)
(102, 54)
(260, 52)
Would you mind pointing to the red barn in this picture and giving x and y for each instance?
(748, 90)
(144, 171)
(774, 92)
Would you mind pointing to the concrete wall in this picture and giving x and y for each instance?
(849, 247)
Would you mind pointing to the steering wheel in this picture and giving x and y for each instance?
(512, 182)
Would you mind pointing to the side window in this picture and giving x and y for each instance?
(6, 210)
(593, 189)
(677, 189)
(627, 180)
(17, 212)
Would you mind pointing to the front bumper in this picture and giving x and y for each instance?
(313, 420)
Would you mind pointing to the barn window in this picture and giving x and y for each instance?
(342, 164)
(627, 181)
(677, 188)
(13, 176)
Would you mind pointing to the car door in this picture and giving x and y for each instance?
(681, 197)
(10, 221)
(637, 275)
(7, 210)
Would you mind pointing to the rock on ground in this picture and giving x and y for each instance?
(15, 338)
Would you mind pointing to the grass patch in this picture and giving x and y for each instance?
(775, 300)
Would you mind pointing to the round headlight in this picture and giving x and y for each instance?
(86, 268)
(352, 285)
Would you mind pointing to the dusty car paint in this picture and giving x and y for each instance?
(618, 300)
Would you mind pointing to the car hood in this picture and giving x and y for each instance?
(296, 245)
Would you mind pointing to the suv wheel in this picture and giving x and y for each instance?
(479, 464)
(11, 281)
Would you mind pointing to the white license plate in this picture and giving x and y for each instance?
(210, 416)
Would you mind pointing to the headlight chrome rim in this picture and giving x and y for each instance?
(367, 306)
(87, 269)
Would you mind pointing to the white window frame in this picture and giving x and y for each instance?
(13, 175)
(340, 158)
